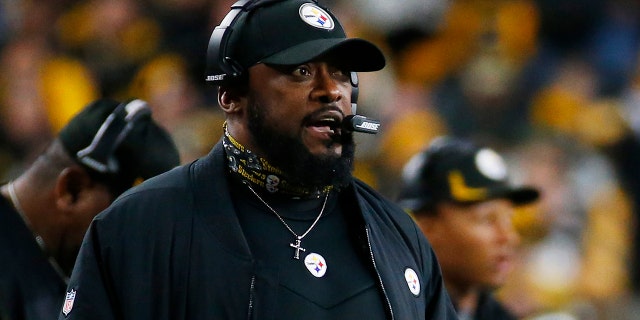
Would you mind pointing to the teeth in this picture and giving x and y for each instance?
(331, 123)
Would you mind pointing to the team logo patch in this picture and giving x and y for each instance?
(315, 16)
(315, 264)
(272, 183)
(412, 281)
(68, 302)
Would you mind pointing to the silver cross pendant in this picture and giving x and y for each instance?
(298, 248)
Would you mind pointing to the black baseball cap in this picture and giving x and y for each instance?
(292, 32)
(119, 142)
(459, 171)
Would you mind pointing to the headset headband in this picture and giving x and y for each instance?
(219, 65)
(222, 67)
(99, 155)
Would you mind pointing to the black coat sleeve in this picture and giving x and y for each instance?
(88, 293)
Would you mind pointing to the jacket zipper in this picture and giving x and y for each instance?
(251, 288)
(384, 291)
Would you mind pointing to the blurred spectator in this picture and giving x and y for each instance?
(116, 36)
(479, 97)
(461, 197)
(24, 123)
(186, 26)
(577, 263)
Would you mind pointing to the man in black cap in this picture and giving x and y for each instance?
(271, 224)
(45, 212)
(460, 195)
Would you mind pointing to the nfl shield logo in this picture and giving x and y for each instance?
(68, 302)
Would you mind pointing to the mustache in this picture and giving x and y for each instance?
(317, 113)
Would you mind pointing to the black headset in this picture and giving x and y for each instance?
(221, 67)
(99, 155)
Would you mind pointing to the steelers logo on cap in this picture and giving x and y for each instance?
(315, 16)
(491, 164)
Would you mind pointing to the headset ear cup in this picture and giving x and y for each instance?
(354, 91)
(219, 65)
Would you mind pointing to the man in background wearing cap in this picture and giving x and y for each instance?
(461, 198)
(45, 212)
(271, 224)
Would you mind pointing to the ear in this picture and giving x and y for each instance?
(230, 99)
(69, 186)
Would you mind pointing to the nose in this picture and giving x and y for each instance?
(507, 232)
(327, 88)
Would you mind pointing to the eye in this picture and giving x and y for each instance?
(302, 70)
(341, 75)
(485, 215)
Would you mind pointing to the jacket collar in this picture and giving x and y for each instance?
(213, 202)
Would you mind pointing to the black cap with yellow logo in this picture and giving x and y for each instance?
(457, 170)
(283, 32)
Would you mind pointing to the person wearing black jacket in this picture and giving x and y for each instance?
(270, 224)
(44, 213)
(461, 197)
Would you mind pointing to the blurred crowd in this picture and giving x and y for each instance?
(552, 84)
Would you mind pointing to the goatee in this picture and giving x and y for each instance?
(301, 167)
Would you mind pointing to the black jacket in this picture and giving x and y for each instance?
(30, 288)
(490, 309)
(172, 248)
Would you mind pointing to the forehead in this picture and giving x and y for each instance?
(470, 211)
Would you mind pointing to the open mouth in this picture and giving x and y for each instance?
(504, 262)
(327, 123)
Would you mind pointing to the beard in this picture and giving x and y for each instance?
(289, 154)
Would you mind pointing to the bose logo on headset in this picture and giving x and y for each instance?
(219, 65)
(217, 77)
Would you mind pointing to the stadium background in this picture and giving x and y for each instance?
(554, 85)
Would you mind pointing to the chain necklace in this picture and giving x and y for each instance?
(16, 204)
(297, 244)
